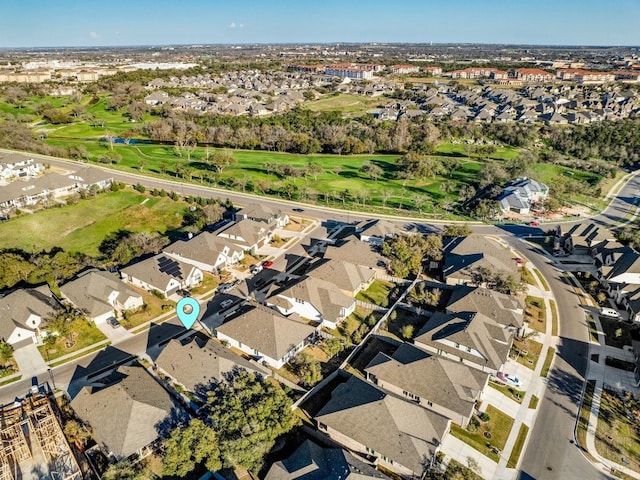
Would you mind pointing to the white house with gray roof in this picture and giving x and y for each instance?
(248, 234)
(162, 273)
(101, 294)
(207, 251)
(314, 299)
(520, 194)
(22, 312)
(266, 335)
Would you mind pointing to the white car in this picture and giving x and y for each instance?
(609, 312)
(257, 268)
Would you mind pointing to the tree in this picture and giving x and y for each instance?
(213, 213)
(407, 252)
(222, 159)
(6, 352)
(249, 413)
(187, 447)
(371, 169)
(77, 432)
(407, 331)
(456, 230)
(314, 169)
(308, 369)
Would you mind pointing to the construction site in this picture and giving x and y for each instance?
(32, 443)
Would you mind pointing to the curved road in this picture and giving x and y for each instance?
(550, 453)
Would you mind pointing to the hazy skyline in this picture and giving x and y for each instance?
(45, 23)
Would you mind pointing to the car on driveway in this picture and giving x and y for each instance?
(533, 223)
(267, 264)
(226, 287)
(510, 379)
(257, 268)
(609, 312)
(113, 322)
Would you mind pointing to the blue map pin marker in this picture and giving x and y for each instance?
(188, 310)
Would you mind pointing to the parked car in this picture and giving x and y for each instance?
(560, 253)
(534, 223)
(267, 264)
(226, 287)
(609, 312)
(511, 379)
(113, 322)
(257, 268)
(184, 293)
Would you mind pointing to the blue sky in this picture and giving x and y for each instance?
(29, 23)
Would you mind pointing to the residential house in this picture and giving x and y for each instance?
(22, 312)
(266, 335)
(248, 234)
(350, 278)
(128, 413)
(376, 232)
(314, 299)
(432, 381)
(197, 363)
(17, 165)
(157, 98)
(355, 252)
(310, 461)
(519, 195)
(470, 260)
(206, 251)
(92, 177)
(162, 273)
(470, 338)
(505, 309)
(404, 69)
(402, 436)
(100, 294)
(31, 191)
(259, 212)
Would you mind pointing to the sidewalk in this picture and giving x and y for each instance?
(599, 372)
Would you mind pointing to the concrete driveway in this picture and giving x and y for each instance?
(115, 335)
(29, 360)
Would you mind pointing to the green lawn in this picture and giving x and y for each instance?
(554, 318)
(526, 352)
(498, 427)
(153, 308)
(517, 447)
(82, 227)
(535, 313)
(542, 279)
(350, 324)
(85, 333)
(346, 104)
(533, 403)
(510, 392)
(547, 362)
(404, 317)
(378, 293)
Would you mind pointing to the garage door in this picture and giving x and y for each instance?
(172, 291)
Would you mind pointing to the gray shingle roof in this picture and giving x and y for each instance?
(201, 362)
(125, 415)
(323, 295)
(91, 290)
(495, 305)
(17, 306)
(265, 330)
(463, 255)
(399, 430)
(151, 272)
(468, 330)
(453, 385)
(344, 275)
(312, 462)
(204, 247)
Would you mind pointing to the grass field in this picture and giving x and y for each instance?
(81, 227)
(535, 313)
(547, 362)
(554, 318)
(527, 351)
(348, 105)
(510, 392)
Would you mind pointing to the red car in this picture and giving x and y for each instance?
(267, 264)
(534, 224)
